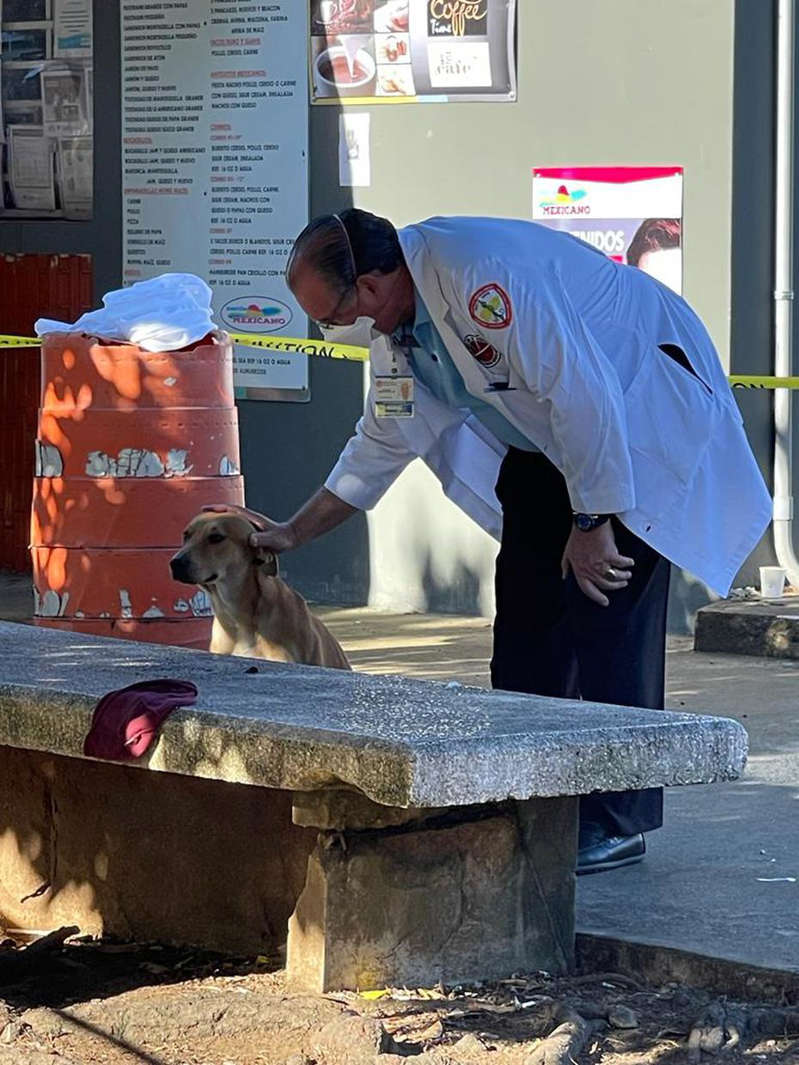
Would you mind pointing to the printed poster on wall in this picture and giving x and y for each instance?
(72, 36)
(631, 213)
(412, 51)
(214, 154)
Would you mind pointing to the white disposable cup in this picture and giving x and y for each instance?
(772, 581)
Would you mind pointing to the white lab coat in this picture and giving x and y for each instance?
(633, 432)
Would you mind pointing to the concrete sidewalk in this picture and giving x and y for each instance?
(721, 879)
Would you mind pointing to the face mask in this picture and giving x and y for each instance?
(361, 332)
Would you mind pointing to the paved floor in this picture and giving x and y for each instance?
(722, 877)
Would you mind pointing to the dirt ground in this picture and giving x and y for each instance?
(106, 1003)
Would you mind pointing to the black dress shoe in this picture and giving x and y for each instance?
(611, 852)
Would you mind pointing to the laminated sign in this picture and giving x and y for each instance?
(215, 165)
(422, 51)
(631, 213)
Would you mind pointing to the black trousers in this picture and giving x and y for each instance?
(551, 639)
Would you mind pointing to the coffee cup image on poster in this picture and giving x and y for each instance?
(376, 50)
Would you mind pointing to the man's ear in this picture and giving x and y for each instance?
(267, 560)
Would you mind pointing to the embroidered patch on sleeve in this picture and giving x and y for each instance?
(485, 353)
(490, 307)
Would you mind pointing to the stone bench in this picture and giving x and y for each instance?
(396, 832)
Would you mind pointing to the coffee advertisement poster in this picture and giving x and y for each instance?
(412, 51)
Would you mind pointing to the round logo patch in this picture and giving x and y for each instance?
(490, 307)
(485, 353)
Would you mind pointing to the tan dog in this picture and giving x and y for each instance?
(255, 613)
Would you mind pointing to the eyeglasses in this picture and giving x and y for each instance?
(330, 320)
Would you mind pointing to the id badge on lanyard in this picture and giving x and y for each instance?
(394, 394)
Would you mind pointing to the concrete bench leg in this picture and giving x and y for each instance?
(467, 894)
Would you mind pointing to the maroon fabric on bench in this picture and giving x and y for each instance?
(125, 722)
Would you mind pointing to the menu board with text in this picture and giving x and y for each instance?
(214, 156)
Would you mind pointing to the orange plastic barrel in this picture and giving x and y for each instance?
(130, 446)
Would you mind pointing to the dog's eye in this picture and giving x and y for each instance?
(186, 536)
(215, 538)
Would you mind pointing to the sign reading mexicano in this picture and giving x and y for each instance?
(380, 51)
(631, 213)
(214, 155)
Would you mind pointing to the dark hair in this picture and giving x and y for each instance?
(342, 247)
(652, 235)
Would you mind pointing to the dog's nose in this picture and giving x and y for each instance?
(180, 568)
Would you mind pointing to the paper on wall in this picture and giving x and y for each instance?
(74, 170)
(65, 101)
(30, 168)
(354, 153)
(459, 64)
(73, 29)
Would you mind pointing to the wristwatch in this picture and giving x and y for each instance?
(587, 522)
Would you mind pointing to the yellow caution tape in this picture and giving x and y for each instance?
(322, 348)
(295, 345)
(19, 342)
(752, 381)
(326, 349)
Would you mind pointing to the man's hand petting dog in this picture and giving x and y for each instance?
(277, 536)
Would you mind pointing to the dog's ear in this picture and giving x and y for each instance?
(267, 560)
